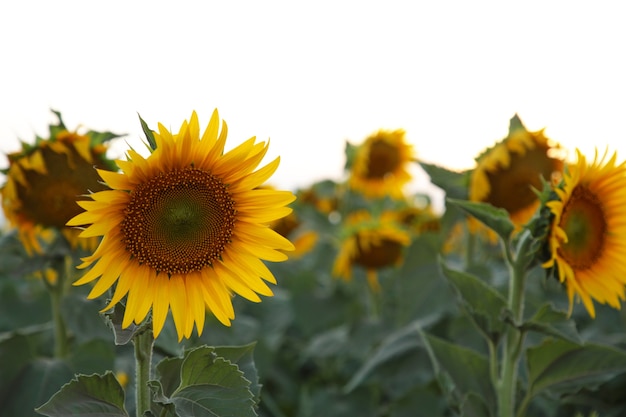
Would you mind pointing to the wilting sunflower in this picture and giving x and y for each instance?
(372, 243)
(45, 179)
(380, 164)
(587, 237)
(506, 174)
(185, 228)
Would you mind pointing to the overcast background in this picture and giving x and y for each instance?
(311, 75)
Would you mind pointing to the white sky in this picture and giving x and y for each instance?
(311, 75)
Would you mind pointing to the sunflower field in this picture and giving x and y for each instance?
(179, 281)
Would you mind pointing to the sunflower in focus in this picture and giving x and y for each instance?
(379, 167)
(587, 234)
(372, 243)
(506, 174)
(44, 180)
(185, 228)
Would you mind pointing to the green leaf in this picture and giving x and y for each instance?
(243, 357)
(93, 395)
(404, 340)
(149, 134)
(18, 348)
(497, 219)
(484, 304)
(168, 372)
(563, 366)
(114, 320)
(210, 386)
(453, 183)
(466, 368)
(554, 323)
(95, 356)
(37, 382)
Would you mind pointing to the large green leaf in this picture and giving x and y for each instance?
(453, 183)
(93, 395)
(554, 323)
(18, 348)
(467, 369)
(210, 385)
(563, 367)
(398, 343)
(243, 357)
(497, 219)
(483, 303)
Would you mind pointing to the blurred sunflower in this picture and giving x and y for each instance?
(44, 181)
(372, 243)
(379, 167)
(587, 234)
(506, 174)
(185, 227)
(303, 240)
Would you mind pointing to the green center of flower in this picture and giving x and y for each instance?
(584, 224)
(383, 159)
(179, 221)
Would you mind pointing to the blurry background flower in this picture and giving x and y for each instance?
(506, 174)
(370, 242)
(45, 179)
(185, 228)
(587, 234)
(379, 166)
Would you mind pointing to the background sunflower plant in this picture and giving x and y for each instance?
(528, 323)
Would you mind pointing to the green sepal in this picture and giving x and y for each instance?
(149, 134)
(516, 124)
(93, 395)
(497, 219)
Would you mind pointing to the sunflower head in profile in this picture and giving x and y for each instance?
(586, 239)
(45, 179)
(371, 243)
(185, 227)
(379, 166)
(507, 175)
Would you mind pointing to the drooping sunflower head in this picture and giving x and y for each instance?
(372, 243)
(507, 174)
(380, 165)
(185, 228)
(586, 237)
(45, 179)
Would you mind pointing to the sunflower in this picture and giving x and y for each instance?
(587, 235)
(372, 243)
(379, 168)
(45, 179)
(506, 174)
(185, 228)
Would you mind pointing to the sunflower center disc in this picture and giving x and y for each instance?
(383, 159)
(179, 221)
(584, 223)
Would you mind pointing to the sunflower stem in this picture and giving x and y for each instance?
(507, 386)
(57, 291)
(143, 343)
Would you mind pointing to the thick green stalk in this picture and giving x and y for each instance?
(143, 342)
(57, 291)
(507, 386)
